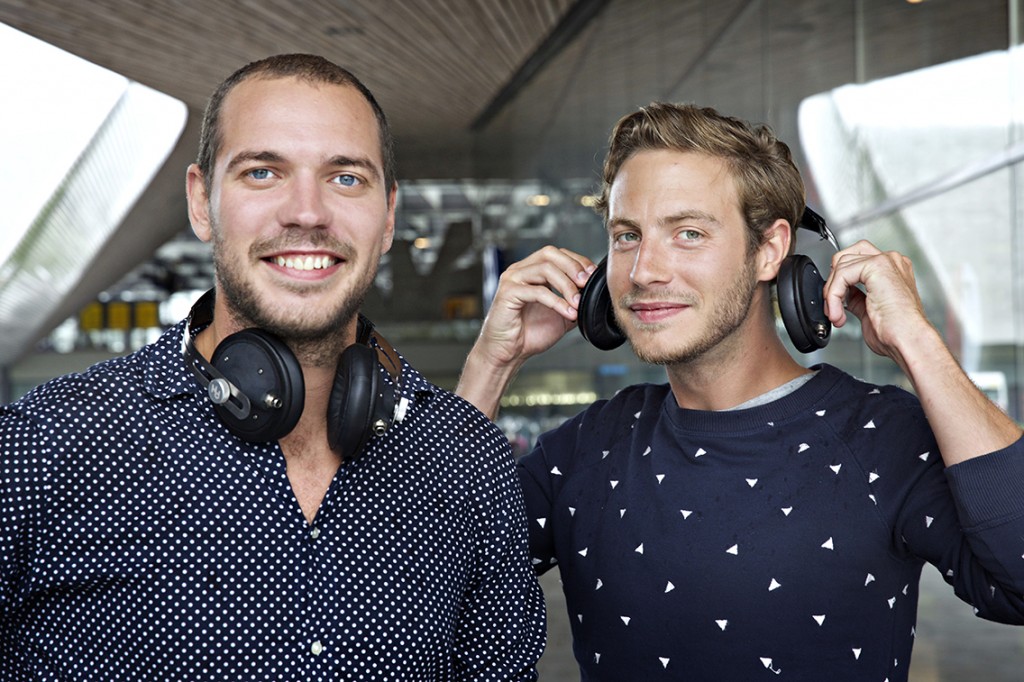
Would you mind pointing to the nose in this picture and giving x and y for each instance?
(649, 267)
(305, 205)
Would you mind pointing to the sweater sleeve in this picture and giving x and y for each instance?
(968, 520)
(990, 507)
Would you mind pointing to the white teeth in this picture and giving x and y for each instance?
(306, 263)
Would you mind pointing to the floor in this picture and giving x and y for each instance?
(952, 644)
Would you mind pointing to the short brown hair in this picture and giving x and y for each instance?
(767, 180)
(312, 68)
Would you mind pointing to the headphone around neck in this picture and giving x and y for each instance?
(255, 384)
(800, 292)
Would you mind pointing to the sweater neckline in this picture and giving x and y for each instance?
(755, 418)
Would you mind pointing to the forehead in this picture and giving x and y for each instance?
(665, 179)
(282, 113)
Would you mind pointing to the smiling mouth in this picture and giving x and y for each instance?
(305, 262)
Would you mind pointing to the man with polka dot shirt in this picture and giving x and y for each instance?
(752, 518)
(151, 529)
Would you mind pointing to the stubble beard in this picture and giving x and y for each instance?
(316, 339)
(728, 315)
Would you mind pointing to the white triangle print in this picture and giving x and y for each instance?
(923, 456)
(686, 514)
(804, 447)
(870, 424)
(775, 584)
(734, 550)
(787, 510)
(928, 521)
(664, 661)
(892, 602)
(572, 511)
(869, 579)
(751, 482)
(700, 452)
(820, 413)
(639, 549)
(669, 587)
(600, 584)
(873, 498)
(535, 561)
(872, 477)
(820, 620)
(647, 451)
(541, 522)
(828, 544)
(622, 512)
(580, 617)
(614, 483)
(874, 392)
(583, 552)
(555, 471)
(604, 453)
(597, 657)
(856, 654)
(767, 662)
(835, 467)
(637, 415)
(660, 477)
(625, 619)
(722, 624)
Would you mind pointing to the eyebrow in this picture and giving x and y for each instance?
(339, 161)
(700, 216)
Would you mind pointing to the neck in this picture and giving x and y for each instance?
(740, 368)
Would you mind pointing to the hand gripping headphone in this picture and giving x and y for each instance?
(800, 290)
(257, 389)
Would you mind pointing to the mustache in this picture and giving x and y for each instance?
(304, 241)
(646, 296)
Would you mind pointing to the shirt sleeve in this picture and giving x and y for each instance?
(501, 627)
(22, 489)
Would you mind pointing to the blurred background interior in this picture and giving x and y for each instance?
(906, 118)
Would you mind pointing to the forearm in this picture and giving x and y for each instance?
(965, 422)
(483, 383)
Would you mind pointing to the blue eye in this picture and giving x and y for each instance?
(347, 180)
(259, 173)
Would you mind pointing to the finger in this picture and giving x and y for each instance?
(558, 269)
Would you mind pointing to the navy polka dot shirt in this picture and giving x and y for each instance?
(140, 540)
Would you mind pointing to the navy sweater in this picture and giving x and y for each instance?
(784, 541)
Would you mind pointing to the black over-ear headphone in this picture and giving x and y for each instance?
(801, 301)
(257, 389)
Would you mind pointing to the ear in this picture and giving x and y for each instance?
(389, 228)
(198, 203)
(773, 250)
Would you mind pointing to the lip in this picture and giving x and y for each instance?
(654, 312)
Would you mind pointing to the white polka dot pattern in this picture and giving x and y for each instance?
(782, 542)
(140, 540)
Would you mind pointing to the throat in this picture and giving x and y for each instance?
(310, 472)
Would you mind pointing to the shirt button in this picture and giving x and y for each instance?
(315, 533)
(317, 648)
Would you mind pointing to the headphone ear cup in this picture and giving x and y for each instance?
(596, 316)
(354, 404)
(263, 368)
(802, 303)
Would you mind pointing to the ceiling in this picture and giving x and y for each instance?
(493, 91)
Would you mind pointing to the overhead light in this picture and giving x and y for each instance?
(539, 200)
(422, 243)
(589, 200)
